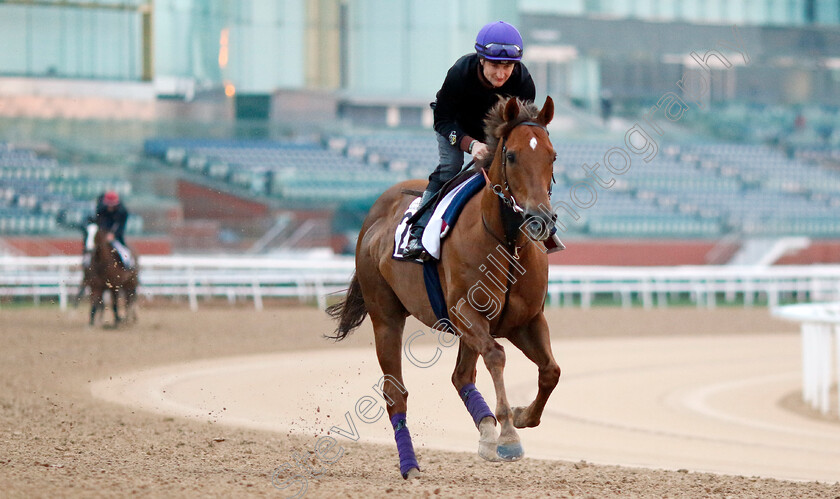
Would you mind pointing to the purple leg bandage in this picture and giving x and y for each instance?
(475, 403)
(404, 445)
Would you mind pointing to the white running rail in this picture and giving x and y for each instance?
(255, 277)
(820, 330)
(190, 277)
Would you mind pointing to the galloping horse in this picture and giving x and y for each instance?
(491, 229)
(107, 273)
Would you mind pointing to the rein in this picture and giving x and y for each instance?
(511, 247)
(511, 214)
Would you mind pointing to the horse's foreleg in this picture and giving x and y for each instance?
(509, 448)
(80, 294)
(115, 298)
(95, 304)
(463, 378)
(130, 304)
(479, 340)
(535, 343)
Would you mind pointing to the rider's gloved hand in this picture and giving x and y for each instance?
(480, 151)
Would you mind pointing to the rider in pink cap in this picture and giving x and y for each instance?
(111, 215)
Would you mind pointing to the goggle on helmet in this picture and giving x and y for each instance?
(499, 41)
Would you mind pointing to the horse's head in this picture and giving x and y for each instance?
(522, 168)
(101, 245)
(90, 240)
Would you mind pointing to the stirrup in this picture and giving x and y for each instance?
(414, 249)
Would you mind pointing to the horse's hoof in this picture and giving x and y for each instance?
(488, 440)
(510, 452)
(520, 420)
(487, 451)
(413, 473)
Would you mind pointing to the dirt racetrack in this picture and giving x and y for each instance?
(56, 439)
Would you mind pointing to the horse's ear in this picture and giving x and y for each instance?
(511, 109)
(547, 112)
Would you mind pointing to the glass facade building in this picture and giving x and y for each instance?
(742, 12)
(399, 50)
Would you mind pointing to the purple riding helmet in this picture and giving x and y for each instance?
(499, 41)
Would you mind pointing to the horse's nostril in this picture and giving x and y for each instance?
(536, 227)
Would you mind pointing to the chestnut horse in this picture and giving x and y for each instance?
(494, 277)
(107, 273)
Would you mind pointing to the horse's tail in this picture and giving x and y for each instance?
(349, 312)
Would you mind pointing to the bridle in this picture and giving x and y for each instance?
(500, 190)
(512, 213)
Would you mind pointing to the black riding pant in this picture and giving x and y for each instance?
(451, 162)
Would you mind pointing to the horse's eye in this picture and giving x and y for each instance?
(555, 158)
(511, 157)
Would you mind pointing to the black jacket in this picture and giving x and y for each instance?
(112, 221)
(464, 100)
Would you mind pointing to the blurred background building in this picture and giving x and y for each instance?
(272, 125)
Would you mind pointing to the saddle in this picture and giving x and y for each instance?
(446, 213)
(448, 187)
(124, 254)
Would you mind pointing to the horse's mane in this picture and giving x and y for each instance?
(495, 126)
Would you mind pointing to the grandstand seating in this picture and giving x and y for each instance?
(290, 170)
(812, 128)
(712, 189)
(687, 191)
(40, 196)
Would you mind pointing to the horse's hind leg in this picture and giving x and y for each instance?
(389, 352)
(388, 317)
(464, 380)
(535, 343)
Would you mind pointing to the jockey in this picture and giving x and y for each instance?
(111, 216)
(472, 86)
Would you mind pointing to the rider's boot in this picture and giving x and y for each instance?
(414, 247)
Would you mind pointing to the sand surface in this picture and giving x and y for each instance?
(58, 439)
